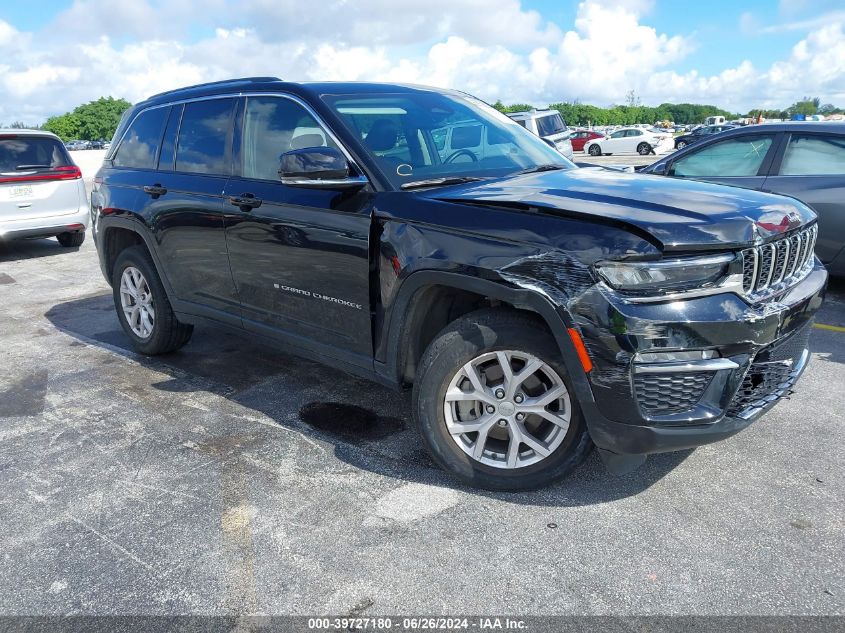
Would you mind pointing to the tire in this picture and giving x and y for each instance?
(643, 149)
(680, 145)
(470, 339)
(594, 150)
(71, 240)
(167, 334)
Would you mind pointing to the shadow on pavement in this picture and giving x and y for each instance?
(367, 424)
(16, 250)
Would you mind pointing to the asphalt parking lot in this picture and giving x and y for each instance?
(231, 478)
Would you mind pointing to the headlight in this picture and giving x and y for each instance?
(671, 275)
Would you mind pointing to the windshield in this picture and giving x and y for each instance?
(424, 135)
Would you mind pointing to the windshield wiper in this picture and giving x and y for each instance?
(539, 168)
(25, 167)
(439, 182)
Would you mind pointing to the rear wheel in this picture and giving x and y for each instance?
(680, 145)
(594, 150)
(142, 305)
(494, 404)
(643, 149)
(69, 240)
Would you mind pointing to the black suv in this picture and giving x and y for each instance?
(700, 133)
(536, 308)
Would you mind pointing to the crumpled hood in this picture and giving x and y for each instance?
(680, 214)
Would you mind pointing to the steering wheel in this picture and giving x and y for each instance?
(461, 152)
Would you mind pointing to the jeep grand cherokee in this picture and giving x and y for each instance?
(537, 309)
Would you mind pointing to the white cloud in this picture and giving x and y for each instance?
(495, 50)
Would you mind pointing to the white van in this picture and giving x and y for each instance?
(714, 120)
(549, 126)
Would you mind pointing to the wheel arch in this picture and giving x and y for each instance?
(117, 234)
(406, 340)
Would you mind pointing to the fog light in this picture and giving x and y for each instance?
(676, 357)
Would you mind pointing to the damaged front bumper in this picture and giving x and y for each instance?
(643, 401)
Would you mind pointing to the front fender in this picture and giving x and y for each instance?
(556, 317)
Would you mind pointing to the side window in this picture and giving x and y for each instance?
(619, 134)
(273, 126)
(735, 157)
(814, 155)
(203, 135)
(635, 132)
(140, 143)
(466, 136)
(168, 143)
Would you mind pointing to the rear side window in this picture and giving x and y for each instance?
(203, 137)
(466, 136)
(814, 156)
(552, 124)
(735, 157)
(140, 143)
(18, 153)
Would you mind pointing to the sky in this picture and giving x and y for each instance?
(739, 56)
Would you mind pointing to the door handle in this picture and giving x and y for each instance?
(246, 201)
(155, 190)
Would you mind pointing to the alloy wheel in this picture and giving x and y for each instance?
(136, 301)
(507, 409)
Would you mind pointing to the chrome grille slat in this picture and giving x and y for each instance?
(770, 267)
(781, 256)
(794, 252)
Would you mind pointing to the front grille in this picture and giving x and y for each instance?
(664, 394)
(771, 373)
(778, 263)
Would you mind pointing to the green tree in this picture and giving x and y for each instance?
(65, 126)
(806, 106)
(90, 121)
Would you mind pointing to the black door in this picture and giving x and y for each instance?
(300, 259)
(812, 169)
(184, 205)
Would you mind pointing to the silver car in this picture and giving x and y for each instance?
(41, 189)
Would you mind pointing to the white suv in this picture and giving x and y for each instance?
(41, 190)
(549, 126)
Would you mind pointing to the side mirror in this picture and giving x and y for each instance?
(317, 167)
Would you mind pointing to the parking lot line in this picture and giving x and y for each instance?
(833, 328)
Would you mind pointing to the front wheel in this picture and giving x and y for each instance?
(594, 150)
(680, 145)
(643, 149)
(495, 406)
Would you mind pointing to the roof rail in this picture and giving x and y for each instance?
(223, 83)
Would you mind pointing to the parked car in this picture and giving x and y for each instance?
(630, 140)
(580, 137)
(699, 134)
(41, 189)
(536, 308)
(77, 145)
(803, 160)
(548, 125)
(99, 144)
(468, 141)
